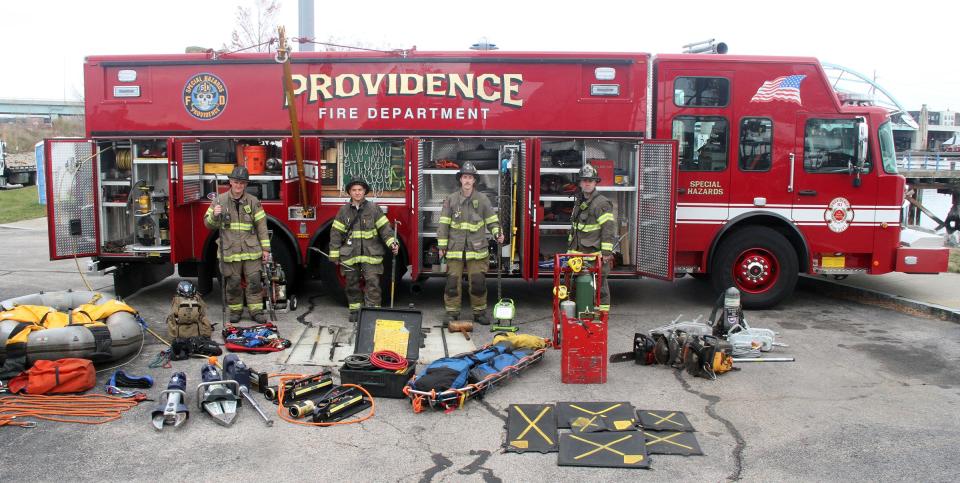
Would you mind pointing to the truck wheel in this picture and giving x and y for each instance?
(760, 262)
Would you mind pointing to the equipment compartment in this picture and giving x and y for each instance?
(439, 162)
(560, 162)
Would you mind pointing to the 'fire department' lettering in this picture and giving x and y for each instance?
(701, 187)
(502, 88)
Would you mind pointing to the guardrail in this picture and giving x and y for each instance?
(929, 162)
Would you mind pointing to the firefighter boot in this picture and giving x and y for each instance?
(235, 317)
(481, 318)
(451, 316)
(259, 318)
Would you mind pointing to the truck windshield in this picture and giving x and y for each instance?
(887, 151)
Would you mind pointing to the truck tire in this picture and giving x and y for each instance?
(760, 262)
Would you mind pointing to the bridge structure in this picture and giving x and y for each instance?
(41, 107)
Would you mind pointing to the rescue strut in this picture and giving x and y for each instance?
(283, 57)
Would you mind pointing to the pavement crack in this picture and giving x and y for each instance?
(312, 302)
(477, 465)
(494, 411)
(712, 412)
(440, 464)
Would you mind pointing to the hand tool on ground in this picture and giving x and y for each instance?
(216, 396)
(172, 410)
(235, 369)
(462, 326)
(333, 341)
(504, 310)
(316, 341)
(303, 334)
(764, 359)
(342, 266)
(443, 338)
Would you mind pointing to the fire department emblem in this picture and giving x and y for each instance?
(838, 215)
(205, 96)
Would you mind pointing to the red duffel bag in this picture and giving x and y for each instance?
(62, 376)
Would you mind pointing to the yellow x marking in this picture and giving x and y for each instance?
(666, 439)
(584, 423)
(533, 424)
(627, 458)
(596, 413)
(664, 418)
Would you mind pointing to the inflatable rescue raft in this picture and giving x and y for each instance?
(57, 325)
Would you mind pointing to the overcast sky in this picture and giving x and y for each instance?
(911, 46)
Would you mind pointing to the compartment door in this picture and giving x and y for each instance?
(415, 160)
(186, 188)
(73, 217)
(529, 156)
(656, 208)
(529, 194)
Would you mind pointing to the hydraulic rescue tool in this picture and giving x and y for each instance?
(216, 396)
(236, 370)
(293, 388)
(172, 410)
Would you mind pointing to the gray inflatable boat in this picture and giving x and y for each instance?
(76, 341)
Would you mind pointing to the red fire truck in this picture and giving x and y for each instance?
(747, 170)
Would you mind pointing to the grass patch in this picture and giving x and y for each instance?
(20, 204)
(954, 260)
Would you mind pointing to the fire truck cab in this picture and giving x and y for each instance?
(746, 170)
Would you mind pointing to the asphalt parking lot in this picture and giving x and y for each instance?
(874, 394)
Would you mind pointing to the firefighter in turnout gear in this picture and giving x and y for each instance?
(188, 314)
(462, 239)
(360, 232)
(594, 229)
(244, 244)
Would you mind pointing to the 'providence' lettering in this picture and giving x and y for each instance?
(503, 88)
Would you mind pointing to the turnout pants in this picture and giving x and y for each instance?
(249, 270)
(370, 295)
(476, 280)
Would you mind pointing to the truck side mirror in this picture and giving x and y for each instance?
(863, 144)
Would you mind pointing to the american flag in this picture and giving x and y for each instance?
(786, 88)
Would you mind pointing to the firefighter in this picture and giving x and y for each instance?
(462, 239)
(244, 244)
(360, 232)
(593, 229)
(188, 314)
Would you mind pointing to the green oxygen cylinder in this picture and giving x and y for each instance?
(586, 293)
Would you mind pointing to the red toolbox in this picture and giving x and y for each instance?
(604, 169)
(583, 354)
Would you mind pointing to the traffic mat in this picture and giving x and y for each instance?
(531, 428)
(586, 417)
(664, 420)
(623, 449)
(672, 442)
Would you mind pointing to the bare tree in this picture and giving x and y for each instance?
(256, 25)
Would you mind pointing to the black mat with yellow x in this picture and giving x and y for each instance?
(620, 449)
(664, 420)
(588, 417)
(531, 427)
(672, 442)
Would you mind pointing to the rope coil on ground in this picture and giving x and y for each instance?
(93, 408)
